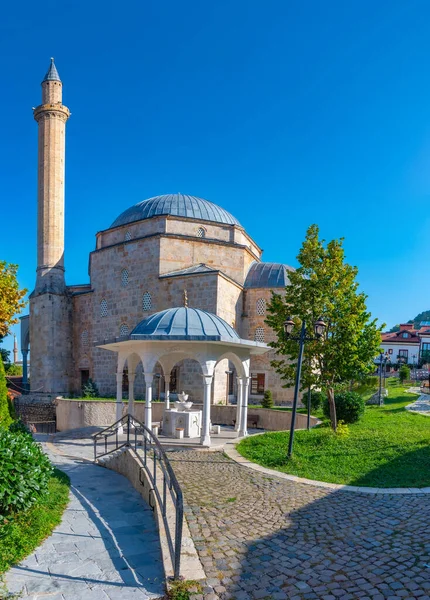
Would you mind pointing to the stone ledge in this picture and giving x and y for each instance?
(231, 452)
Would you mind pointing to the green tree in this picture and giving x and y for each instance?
(325, 286)
(404, 373)
(267, 401)
(11, 297)
(5, 417)
(394, 329)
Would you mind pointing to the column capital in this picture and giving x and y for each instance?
(208, 379)
(148, 378)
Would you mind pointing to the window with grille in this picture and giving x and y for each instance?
(147, 303)
(84, 338)
(127, 236)
(103, 308)
(201, 232)
(124, 330)
(258, 383)
(261, 306)
(124, 278)
(259, 334)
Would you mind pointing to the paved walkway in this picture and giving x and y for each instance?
(264, 537)
(421, 405)
(106, 547)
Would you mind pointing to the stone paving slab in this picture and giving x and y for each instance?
(106, 547)
(421, 405)
(261, 536)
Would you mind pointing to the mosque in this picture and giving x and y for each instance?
(173, 265)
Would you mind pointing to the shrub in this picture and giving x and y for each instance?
(267, 401)
(5, 416)
(317, 398)
(24, 472)
(349, 407)
(404, 373)
(13, 369)
(90, 389)
(19, 427)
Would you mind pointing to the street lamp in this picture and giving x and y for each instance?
(319, 328)
(383, 359)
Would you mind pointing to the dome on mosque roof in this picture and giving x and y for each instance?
(184, 323)
(180, 205)
(267, 275)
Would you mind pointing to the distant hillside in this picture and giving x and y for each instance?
(423, 316)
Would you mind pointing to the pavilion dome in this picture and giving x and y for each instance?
(179, 205)
(184, 323)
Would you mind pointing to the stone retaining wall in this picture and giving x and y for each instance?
(73, 414)
(36, 408)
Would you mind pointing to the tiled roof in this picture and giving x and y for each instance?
(52, 73)
(180, 205)
(397, 336)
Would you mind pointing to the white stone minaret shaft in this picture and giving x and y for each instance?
(51, 117)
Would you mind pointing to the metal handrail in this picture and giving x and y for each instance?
(143, 437)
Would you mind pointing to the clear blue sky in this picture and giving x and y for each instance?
(283, 112)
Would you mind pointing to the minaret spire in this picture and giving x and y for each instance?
(52, 73)
(15, 350)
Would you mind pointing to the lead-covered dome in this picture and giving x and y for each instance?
(267, 275)
(179, 205)
(184, 323)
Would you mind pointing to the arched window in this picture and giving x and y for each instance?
(84, 338)
(259, 335)
(123, 330)
(127, 236)
(103, 308)
(201, 232)
(261, 306)
(124, 278)
(146, 303)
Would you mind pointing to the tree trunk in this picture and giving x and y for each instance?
(332, 406)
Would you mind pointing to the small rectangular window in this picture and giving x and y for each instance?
(258, 381)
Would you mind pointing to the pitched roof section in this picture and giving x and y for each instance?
(52, 73)
(267, 275)
(193, 270)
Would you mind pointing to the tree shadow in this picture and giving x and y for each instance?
(260, 536)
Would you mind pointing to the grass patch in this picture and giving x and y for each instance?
(23, 532)
(181, 590)
(388, 447)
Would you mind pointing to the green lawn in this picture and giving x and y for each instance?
(22, 533)
(389, 447)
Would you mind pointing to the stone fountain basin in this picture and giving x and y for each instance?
(181, 406)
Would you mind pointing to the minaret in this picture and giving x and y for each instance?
(51, 116)
(15, 350)
(50, 302)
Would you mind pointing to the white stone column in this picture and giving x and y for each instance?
(131, 378)
(243, 431)
(167, 391)
(118, 396)
(205, 437)
(149, 378)
(238, 402)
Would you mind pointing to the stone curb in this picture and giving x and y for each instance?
(231, 452)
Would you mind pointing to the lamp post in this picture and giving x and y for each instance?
(319, 328)
(383, 359)
(414, 370)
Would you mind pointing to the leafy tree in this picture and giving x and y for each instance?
(11, 297)
(394, 329)
(325, 286)
(5, 416)
(423, 316)
(404, 373)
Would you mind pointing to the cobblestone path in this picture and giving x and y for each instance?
(263, 537)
